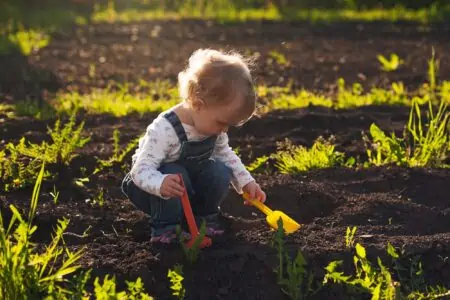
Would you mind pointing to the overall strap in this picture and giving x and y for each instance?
(173, 119)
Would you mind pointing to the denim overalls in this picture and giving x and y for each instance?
(207, 183)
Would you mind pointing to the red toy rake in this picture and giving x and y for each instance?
(206, 242)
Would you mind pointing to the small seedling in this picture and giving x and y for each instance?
(119, 154)
(293, 277)
(54, 194)
(191, 254)
(279, 58)
(391, 64)
(176, 280)
(350, 237)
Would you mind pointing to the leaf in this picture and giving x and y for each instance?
(360, 250)
(376, 293)
(391, 251)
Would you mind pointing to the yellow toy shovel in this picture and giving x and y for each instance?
(272, 216)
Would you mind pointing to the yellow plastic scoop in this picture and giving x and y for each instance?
(272, 216)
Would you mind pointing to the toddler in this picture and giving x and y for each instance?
(191, 139)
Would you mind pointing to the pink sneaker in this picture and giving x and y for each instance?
(168, 237)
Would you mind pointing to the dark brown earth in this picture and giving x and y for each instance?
(410, 208)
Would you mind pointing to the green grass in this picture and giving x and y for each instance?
(31, 272)
(291, 158)
(346, 97)
(223, 11)
(158, 96)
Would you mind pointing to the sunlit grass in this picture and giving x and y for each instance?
(346, 97)
(158, 96)
(230, 13)
(290, 158)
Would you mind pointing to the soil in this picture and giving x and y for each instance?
(410, 208)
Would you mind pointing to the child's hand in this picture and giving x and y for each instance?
(255, 192)
(171, 187)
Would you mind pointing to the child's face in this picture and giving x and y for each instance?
(212, 120)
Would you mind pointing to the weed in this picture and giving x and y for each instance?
(235, 11)
(285, 98)
(120, 101)
(107, 290)
(424, 143)
(350, 237)
(6, 110)
(192, 253)
(259, 163)
(379, 282)
(294, 159)
(412, 278)
(391, 64)
(65, 140)
(279, 58)
(354, 97)
(99, 199)
(368, 279)
(24, 273)
(118, 155)
(347, 97)
(20, 166)
(55, 195)
(81, 181)
(176, 280)
(25, 40)
(292, 275)
(37, 109)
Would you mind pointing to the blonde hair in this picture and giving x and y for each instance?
(217, 78)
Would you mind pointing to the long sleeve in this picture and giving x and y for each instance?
(152, 151)
(223, 152)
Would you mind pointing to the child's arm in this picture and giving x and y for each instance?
(153, 149)
(223, 152)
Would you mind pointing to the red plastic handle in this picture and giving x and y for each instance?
(206, 242)
(188, 210)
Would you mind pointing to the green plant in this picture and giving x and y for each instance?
(31, 272)
(191, 254)
(258, 164)
(25, 272)
(107, 290)
(20, 164)
(40, 110)
(65, 140)
(118, 154)
(176, 280)
(391, 64)
(368, 279)
(119, 100)
(294, 159)
(412, 278)
(378, 281)
(29, 40)
(293, 277)
(99, 199)
(425, 143)
(55, 195)
(350, 237)
(279, 58)
(355, 97)
(15, 173)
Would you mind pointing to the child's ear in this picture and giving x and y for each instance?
(197, 104)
